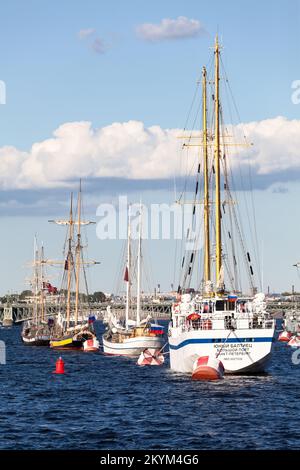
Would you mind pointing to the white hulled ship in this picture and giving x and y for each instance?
(216, 320)
(133, 335)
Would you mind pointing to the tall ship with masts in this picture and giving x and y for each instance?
(217, 319)
(131, 335)
(38, 330)
(74, 323)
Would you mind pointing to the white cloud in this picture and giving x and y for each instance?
(181, 27)
(84, 33)
(130, 150)
(276, 144)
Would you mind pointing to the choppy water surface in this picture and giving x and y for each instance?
(110, 403)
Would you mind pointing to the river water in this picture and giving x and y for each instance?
(108, 403)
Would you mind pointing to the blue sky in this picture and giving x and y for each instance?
(53, 77)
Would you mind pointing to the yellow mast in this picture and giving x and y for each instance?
(70, 262)
(206, 183)
(78, 256)
(217, 165)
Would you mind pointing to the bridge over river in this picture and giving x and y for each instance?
(19, 312)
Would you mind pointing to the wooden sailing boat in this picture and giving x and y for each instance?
(217, 321)
(133, 337)
(74, 325)
(38, 330)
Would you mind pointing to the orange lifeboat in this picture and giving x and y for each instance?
(207, 368)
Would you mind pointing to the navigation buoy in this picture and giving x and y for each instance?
(294, 342)
(207, 368)
(59, 366)
(151, 357)
(284, 336)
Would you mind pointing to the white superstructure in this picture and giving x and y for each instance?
(236, 330)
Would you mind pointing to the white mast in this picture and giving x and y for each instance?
(138, 298)
(42, 283)
(128, 271)
(36, 280)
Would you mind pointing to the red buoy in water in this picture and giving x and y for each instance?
(284, 336)
(59, 366)
(207, 368)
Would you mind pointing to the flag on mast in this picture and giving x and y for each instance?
(126, 276)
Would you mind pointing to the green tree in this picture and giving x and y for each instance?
(98, 297)
(25, 293)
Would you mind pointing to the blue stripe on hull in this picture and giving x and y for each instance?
(220, 341)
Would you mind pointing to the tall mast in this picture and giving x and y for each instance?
(217, 165)
(70, 262)
(128, 271)
(206, 184)
(36, 280)
(42, 283)
(138, 298)
(78, 255)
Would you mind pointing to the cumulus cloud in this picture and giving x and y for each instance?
(130, 151)
(124, 150)
(276, 145)
(84, 33)
(181, 27)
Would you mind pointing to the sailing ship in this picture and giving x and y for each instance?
(133, 336)
(216, 321)
(38, 330)
(74, 324)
